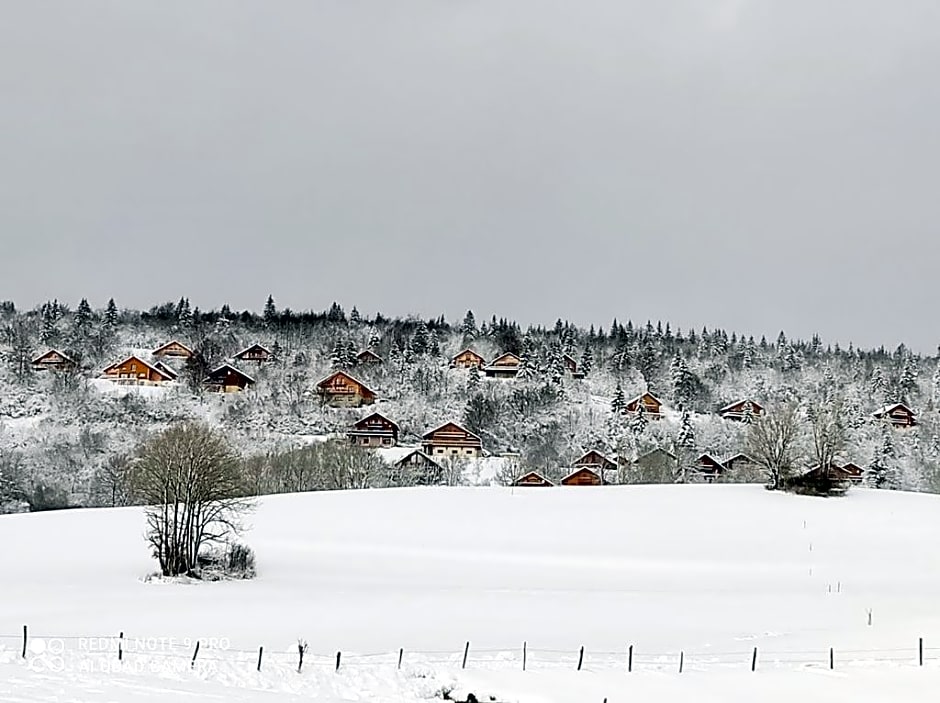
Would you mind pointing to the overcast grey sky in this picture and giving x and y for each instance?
(754, 165)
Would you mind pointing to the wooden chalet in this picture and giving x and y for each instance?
(504, 366)
(707, 467)
(374, 430)
(595, 460)
(367, 357)
(571, 367)
(227, 379)
(582, 477)
(256, 353)
(340, 390)
(174, 350)
(897, 414)
(741, 410)
(739, 461)
(533, 478)
(54, 360)
(838, 472)
(166, 368)
(467, 359)
(656, 466)
(134, 371)
(416, 468)
(450, 439)
(652, 406)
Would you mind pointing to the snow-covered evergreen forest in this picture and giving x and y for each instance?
(62, 434)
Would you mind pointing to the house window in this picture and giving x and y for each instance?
(454, 451)
(386, 440)
(365, 440)
(470, 451)
(440, 451)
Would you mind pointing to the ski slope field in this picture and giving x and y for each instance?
(710, 572)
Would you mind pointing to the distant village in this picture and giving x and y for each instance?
(451, 441)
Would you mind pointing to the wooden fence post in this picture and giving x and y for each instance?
(401, 655)
(580, 658)
(195, 654)
(339, 656)
(920, 650)
(524, 655)
(24, 641)
(466, 651)
(832, 658)
(754, 660)
(630, 659)
(301, 649)
(121, 647)
(681, 660)
(260, 652)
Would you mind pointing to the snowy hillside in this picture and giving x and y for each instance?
(711, 571)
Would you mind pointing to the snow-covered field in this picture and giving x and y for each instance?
(710, 571)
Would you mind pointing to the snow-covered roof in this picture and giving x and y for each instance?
(375, 414)
(226, 365)
(252, 348)
(395, 455)
(48, 352)
(136, 358)
(885, 409)
(349, 376)
(466, 351)
(581, 469)
(427, 435)
(731, 406)
(169, 344)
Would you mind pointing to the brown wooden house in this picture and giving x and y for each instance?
(838, 472)
(367, 357)
(533, 478)
(166, 368)
(136, 372)
(504, 366)
(374, 430)
(595, 460)
(707, 467)
(467, 359)
(415, 468)
(853, 472)
(897, 414)
(741, 410)
(53, 360)
(450, 439)
(227, 379)
(652, 406)
(582, 477)
(571, 367)
(740, 462)
(256, 353)
(174, 350)
(340, 390)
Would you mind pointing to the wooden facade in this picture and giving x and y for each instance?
(853, 472)
(227, 379)
(166, 368)
(533, 478)
(53, 360)
(582, 477)
(740, 462)
(467, 359)
(504, 366)
(416, 469)
(838, 472)
(571, 366)
(135, 371)
(595, 460)
(450, 439)
(256, 353)
(897, 414)
(374, 430)
(174, 350)
(708, 467)
(368, 357)
(741, 410)
(340, 390)
(652, 406)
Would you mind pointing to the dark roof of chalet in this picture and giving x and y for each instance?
(730, 406)
(222, 367)
(159, 349)
(427, 435)
(738, 456)
(134, 357)
(536, 474)
(253, 347)
(601, 454)
(379, 415)
(703, 458)
(884, 410)
(642, 396)
(368, 352)
(581, 469)
(468, 350)
(505, 355)
(163, 366)
(419, 452)
(352, 378)
(46, 353)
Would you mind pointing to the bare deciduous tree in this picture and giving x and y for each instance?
(191, 482)
(772, 443)
(828, 431)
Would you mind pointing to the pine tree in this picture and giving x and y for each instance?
(83, 317)
(350, 359)
(686, 437)
(421, 339)
(354, 317)
(469, 327)
(184, 314)
(473, 380)
(374, 339)
(434, 346)
(338, 356)
(111, 315)
(270, 311)
(336, 314)
(639, 421)
(882, 472)
(587, 361)
(619, 403)
(683, 382)
(50, 333)
(907, 383)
